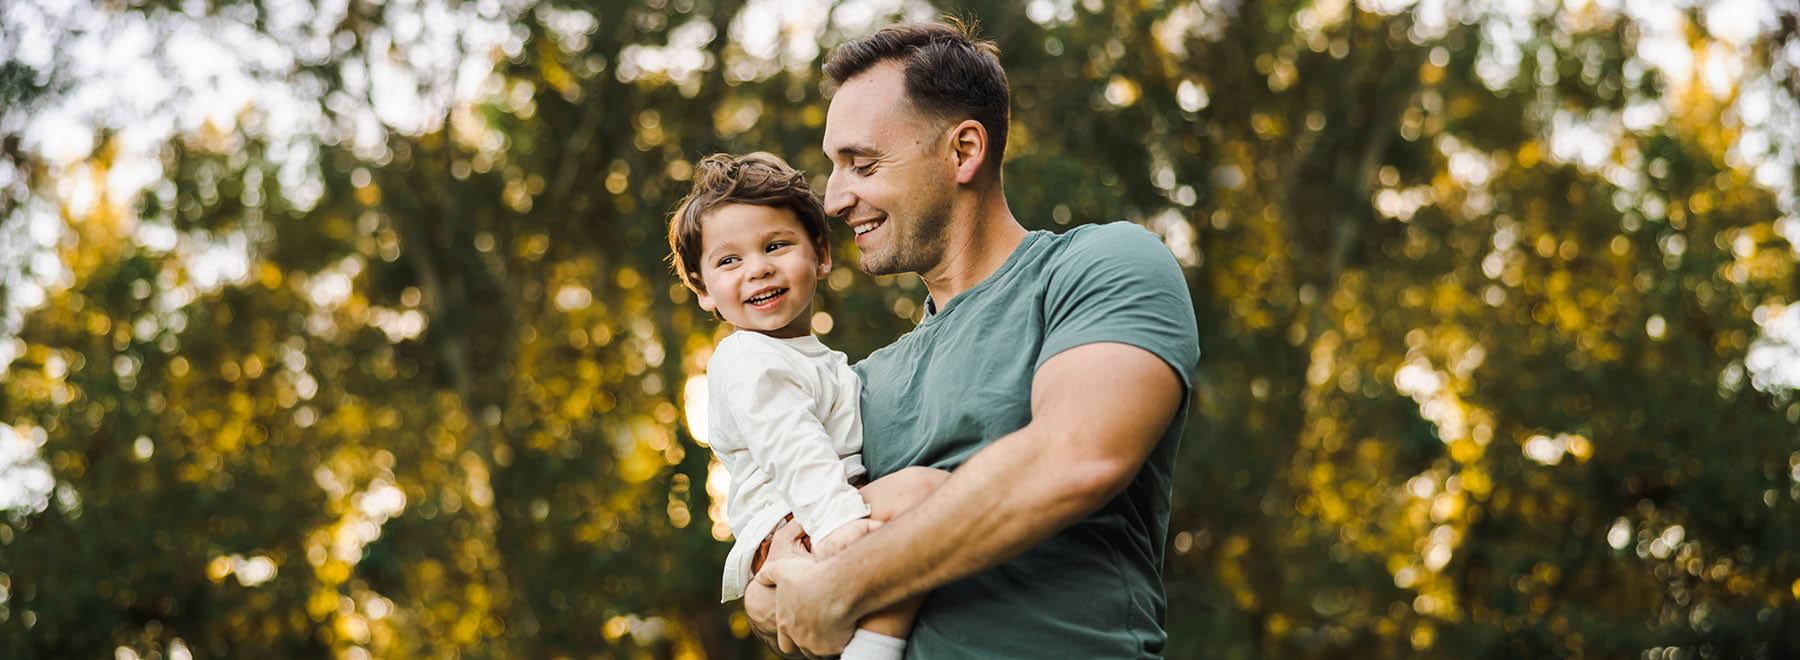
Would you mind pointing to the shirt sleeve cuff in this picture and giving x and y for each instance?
(843, 507)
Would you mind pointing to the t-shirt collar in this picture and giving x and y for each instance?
(808, 344)
(933, 312)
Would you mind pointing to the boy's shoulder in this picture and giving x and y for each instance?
(744, 349)
(740, 347)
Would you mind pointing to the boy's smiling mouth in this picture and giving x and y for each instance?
(765, 297)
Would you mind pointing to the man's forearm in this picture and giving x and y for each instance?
(1000, 503)
(1097, 411)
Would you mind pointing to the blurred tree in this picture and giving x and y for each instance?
(1476, 291)
(1489, 377)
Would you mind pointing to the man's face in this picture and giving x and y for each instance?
(891, 175)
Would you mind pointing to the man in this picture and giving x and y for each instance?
(1050, 373)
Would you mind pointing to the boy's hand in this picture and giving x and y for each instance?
(842, 537)
(759, 598)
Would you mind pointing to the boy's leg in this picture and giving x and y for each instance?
(892, 495)
(888, 497)
(894, 621)
(867, 645)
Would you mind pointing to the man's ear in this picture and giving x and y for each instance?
(968, 145)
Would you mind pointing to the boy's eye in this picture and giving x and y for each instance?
(776, 246)
(726, 261)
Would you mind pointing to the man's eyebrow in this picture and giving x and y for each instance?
(855, 150)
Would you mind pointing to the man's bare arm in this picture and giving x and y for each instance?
(1097, 412)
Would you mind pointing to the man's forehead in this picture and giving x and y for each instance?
(863, 105)
(882, 82)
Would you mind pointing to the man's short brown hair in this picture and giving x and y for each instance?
(761, 179)
(949, 73)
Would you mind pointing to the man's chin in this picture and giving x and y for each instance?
(877, 265)
(891, 264)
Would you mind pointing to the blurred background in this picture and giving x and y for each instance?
(343, 328)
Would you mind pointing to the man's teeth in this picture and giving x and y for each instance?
(869, 227)
(766, 297)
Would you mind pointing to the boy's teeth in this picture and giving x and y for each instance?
(767, 296)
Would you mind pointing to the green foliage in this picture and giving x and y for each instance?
(1462, 395)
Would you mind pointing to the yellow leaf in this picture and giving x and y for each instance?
(1529, 154)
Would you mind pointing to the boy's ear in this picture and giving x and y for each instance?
(824, 258)
(706, 301)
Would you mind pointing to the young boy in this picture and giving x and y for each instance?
(750, 241)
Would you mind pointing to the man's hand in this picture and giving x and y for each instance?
(808, 613)
(759, 598)
(759, 607)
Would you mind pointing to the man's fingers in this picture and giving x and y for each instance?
(767, 576)
(759, 607)
(786, 530)
(785, 542)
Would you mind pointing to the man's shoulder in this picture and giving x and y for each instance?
(1111, 240)
(1102, 231)
(1119, 252)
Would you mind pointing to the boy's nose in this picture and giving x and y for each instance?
(760, 268)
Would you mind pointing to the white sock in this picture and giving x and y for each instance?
(868, 645)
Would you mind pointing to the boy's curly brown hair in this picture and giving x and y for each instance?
(759, 178)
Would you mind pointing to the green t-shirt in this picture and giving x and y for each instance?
(962, 378)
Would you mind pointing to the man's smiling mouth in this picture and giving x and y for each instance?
(867, 227)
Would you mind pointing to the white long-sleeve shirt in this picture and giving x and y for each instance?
(783, 418)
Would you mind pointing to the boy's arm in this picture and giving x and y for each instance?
(1097, 411)
(791, 445)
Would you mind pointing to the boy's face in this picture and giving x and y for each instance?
(760, 269)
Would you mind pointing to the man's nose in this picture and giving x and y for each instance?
(838, 199)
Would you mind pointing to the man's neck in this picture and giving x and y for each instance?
(982, 236)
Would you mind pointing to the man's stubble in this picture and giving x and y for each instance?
(917, 246)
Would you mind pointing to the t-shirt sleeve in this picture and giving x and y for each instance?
(1119, 283)
(771, 400)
